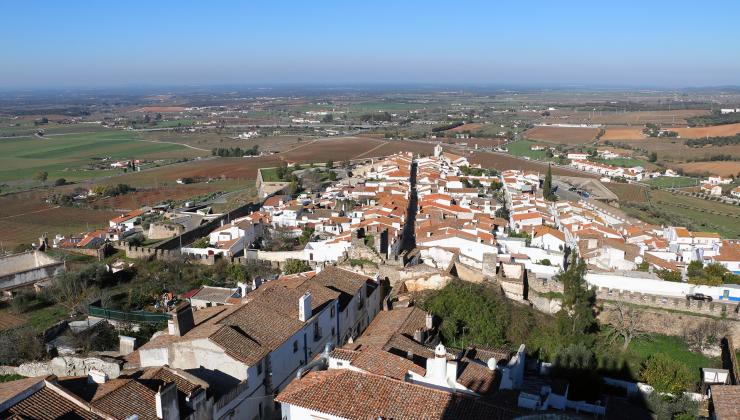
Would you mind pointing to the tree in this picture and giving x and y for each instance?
(653, 157)
(203, 242)
(666, 374)
(470, 313)
(75, 291)
(328, 118)
(296, 266)
(547, 185)
(625, 324)
(706, 334)
(329, 164)
(670, 275)
(576, 318)
(59, 182)
(306, 235)
(41, 176)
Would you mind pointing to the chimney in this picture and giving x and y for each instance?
(96, 376)
(126, 345)
(182, 320)
(429, 321)
(166, 401)
(304, 307)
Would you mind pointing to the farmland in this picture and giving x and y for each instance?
(502, 162)
(524, 148)
(695, 213)
(619, 117)
(723, 168)
(25, 216)
(635, 133)
(628, 192)
(562, 135)
(68, 156)
(672, 182)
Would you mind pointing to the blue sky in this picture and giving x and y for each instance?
(608, 43)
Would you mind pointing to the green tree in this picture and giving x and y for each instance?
(41, 176)
(59, 182)
(306, 235)
(666, 374)
(653, 157)
(576, 319)
(329, 164)
(470, 313)
(670, 275)
(296, 266)
(547, 185)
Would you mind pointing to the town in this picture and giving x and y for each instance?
(341, 306)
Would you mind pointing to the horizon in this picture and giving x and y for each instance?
(660, 45)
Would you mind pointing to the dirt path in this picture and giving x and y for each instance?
(371, 150)
(27, 213)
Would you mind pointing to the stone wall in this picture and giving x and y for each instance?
(468, 274)
(68, 366)
(160, 230)
(144, 253)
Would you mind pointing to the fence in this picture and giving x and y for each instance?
(138, 317)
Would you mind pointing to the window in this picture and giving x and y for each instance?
(295, 346)
(316, 332)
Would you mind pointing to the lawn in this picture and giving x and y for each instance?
(67, 156)
(524, 148)
(644, 347)
(673, 182)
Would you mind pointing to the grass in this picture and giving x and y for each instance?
(270, 175)
(43, 318)
(644, 347)
(11, 377)
(624, 162)
(671, 182)
(524, 148)
(707, 215)
(68, 156)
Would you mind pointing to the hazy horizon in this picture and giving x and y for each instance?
(656, 45)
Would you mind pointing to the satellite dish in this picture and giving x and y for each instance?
(492, 363)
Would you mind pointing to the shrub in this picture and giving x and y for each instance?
(666, 374)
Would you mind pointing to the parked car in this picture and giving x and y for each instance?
(699, 296)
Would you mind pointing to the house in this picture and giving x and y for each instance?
(251, 351)
(711, 189)
(718, 180)
(153, 393)
(578, 156)
(128, 220)
(548, 238)
(735, 192)
(208, 296)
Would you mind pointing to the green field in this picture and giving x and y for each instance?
(67, 156)
(675, 347)
(523, 148)
(671, 182)
(696, 214)
(624, 162)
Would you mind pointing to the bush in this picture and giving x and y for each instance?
(296, 266)
(667, 375)
(20, 345)
(59, 182)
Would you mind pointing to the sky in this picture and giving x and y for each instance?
(648, 43)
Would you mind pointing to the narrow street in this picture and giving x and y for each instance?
(409, 234)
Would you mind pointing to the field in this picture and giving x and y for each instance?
(635, 133)
(68, 156)
(628, 192)
(467, 127)
(672, 182)
(562, 135)
(151, 196)
(624, 118)
(524, 148)
(161, 109)
(723, 168)
(25, 216)
(675, 347)
(695, 213)
(502, 162)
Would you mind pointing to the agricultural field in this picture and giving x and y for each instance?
(25, 216)
(628, 192)
(664, 117)
(672, 182)
(723, 168)
(467, 127)
(635, 133)
(68, 156)
(676, 150)
(695, 213)
(524, 148)
(151, 196)
(562, 135)
(502, 162)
